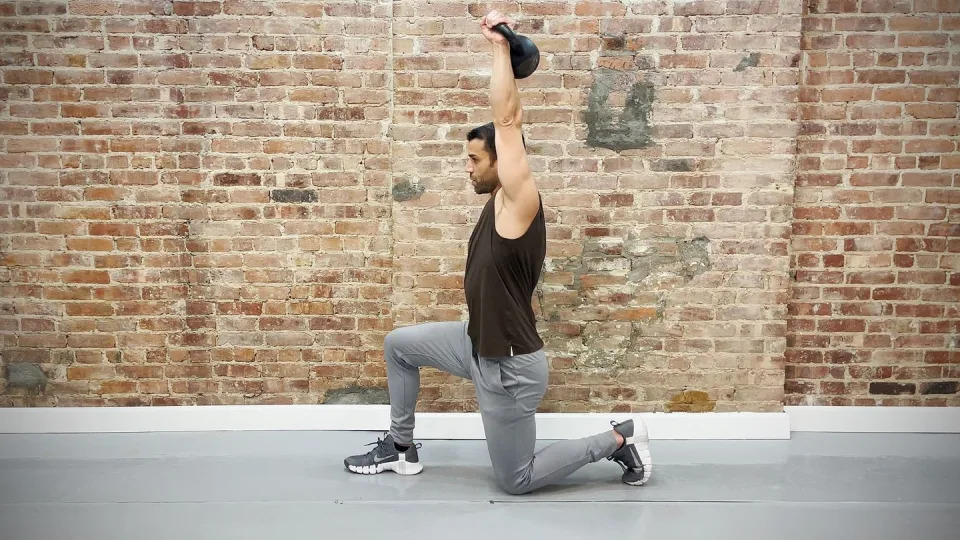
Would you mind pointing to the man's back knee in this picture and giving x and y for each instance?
(516, 485)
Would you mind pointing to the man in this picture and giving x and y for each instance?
(498, 348)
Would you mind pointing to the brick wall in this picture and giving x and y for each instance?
(874, 316)
(233, 202)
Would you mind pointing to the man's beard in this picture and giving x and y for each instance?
(483, 187)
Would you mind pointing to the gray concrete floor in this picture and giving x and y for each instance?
(279, 485)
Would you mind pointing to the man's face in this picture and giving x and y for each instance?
(483, 170)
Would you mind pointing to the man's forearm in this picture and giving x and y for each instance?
(504, 97)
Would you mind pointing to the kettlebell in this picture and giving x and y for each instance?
(524, 55)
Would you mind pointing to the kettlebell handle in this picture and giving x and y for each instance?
(506, 31)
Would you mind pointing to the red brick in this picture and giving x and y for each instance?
(881, 76)
(870, 41)
(690, 214)
(875, 146)
(926, 39)
(890, 388)
(616, 200)
(933, 77)
(874, 179)
(901, 94)
(831, 261)
(90, 244)
(634, 314)
(936, 6)
(945, 229)
(817, 213)
(847, 228)
(819, 277)
(86, 276)
(895, 293)
(922, 212)
(913, 22)
(833, 387)
(931, 110)
(930, 277)
(806, 180)
(97, 341)
(91, 309)
(196, 8)
(927, 179)
(886, 6)
(583, 8)
(83, 111)
(942, 94)
(899, 228)
(75, 373)
(871, 213)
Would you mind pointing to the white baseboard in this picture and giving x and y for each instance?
(660, 425)
(875, 419)
(468, 425)
(374, 418)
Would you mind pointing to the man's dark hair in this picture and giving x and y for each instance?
(487, 134)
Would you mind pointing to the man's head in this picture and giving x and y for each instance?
(482, 158)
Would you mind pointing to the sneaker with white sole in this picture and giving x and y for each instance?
(385, 457)
(634, 455)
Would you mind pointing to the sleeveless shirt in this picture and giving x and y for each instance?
(501, 276)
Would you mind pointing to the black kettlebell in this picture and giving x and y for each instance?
(524, 55)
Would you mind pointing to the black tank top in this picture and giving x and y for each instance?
(501, 276)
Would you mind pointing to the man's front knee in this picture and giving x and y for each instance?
(393, 340)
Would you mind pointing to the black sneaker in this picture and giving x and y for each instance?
(385, 457)
(634, 455)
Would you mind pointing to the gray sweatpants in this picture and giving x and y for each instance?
(509, 389)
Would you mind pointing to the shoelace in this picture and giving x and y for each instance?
(381, 442)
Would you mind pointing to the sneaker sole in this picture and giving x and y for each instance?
(643, 450)
(405, 468)
(647, 468)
